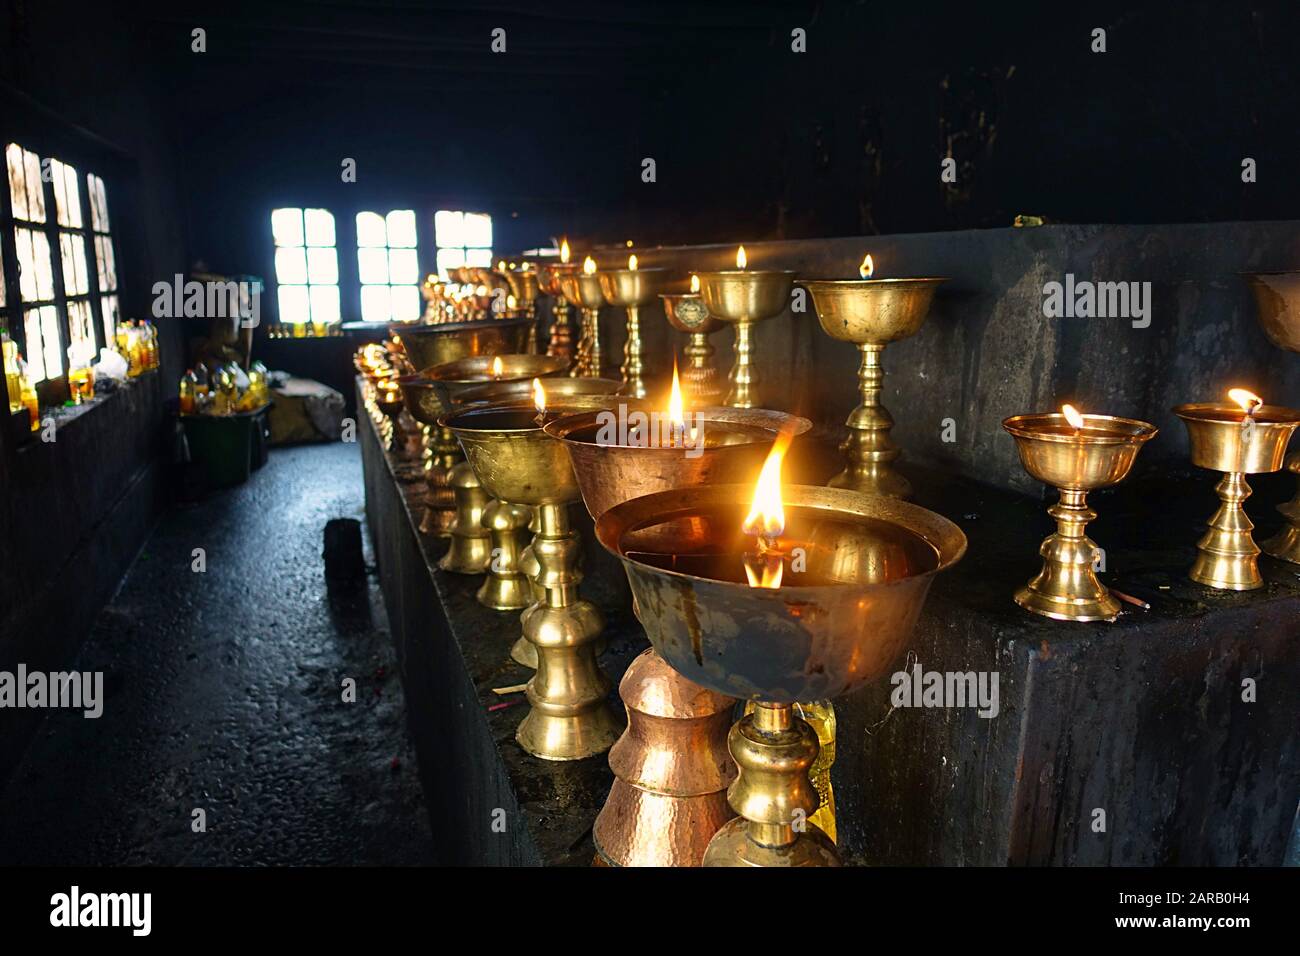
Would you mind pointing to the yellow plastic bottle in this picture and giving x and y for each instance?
(29, 397)
(187, 390)
(13, 387)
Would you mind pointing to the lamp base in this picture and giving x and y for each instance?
(1067, 589)
(1285, 545)
(1227, 556)
(732, 846)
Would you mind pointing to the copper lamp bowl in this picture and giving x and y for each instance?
(872, 560)
(687, 313)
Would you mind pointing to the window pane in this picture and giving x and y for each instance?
(372, 266)
(406, 303)
(36, 281)
(81, 329)
(449, 259)
(290, 266)
(324, 303)
(371, 230)
(72, 247)
(286, 227)
(67, 196)
(401, 228)
(98, 208)
(293, 303)
(479, 257)
(111, 315)
(17, 180)
(320, 227)
(2, 273)
(403, 266)
(478, 229)
(449, 228)
(322, 266)
(35, 354)
(374, 303)
(50, 337)
(105, 266)
(35, 192)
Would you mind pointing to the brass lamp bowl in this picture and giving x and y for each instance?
(452, 379)
(523, 286)
(609, 474)
(548, 276)
(1050, 452)
(624, 287)
(743, 297)
(1277, 300)
(1220, 441)
(582, 289)
(429, 345)
(872, 560)
(422, 399)
(686, 312)
(557, 389)
(872, 311)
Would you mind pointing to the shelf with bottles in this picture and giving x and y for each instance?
(304, 330)
(224, 390)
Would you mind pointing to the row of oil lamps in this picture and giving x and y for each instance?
(750, 591)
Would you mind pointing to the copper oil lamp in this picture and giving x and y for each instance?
(631, 288)
(1076, 454)
(1277, 301)
(506, 586)
(687, 313)
(777, 595)
(1244, 437)
(871, 313)
(743, 296)
(515, 460)
(581, 287)
(668, 797)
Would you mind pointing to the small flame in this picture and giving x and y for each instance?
(867, 268)
(766, 515)
(631, 262)
(1248, 400)
(742, 260)
(676, 407)
(510, 302)
(1072, 416)
(695, 284)
(501, 265)
(539, 396)
(497, 368)
(564, 251)
(589, 266)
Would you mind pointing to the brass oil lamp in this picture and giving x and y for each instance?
(1075, 454)
(506, 586)
(516, 460)
(687, 313)
(871, 313)
(668, 797)
(524, 287)
(777, 595)
(439, 456)
(1243, 438)
(671, 770)
(631, 288)
(742, 297)
(560, 341)
(1277, 302)
(581, 289)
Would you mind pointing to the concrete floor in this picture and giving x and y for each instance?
(223, 692)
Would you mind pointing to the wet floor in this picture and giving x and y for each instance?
(224, 693)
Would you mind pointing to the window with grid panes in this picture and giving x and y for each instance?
(38, 305)
(72, 253)
(105, 262)
(463, 239)
(306, 266)
(388, 266)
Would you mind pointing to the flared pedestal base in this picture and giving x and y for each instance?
(732, 846)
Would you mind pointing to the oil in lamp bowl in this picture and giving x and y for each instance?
(736, 441)
(624, 287)
(521, 390)
(429, 345)
(686, 312)
(740, 295)
(1220, 440)
(1096, 456)
(452, 379)
(874, 311)
(843, 621)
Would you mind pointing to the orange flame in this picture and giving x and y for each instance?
(497, 367)
(695, 284)
(1248, 400)
(742, 260)
(867, 268)
(501, 265)
(589, 266)
(766, 514)
(564, 251)
(1072, 416)
(539, 396)
(676, 407)
(631, 262)
(510, 302)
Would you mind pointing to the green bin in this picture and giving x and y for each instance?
(223, 445)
